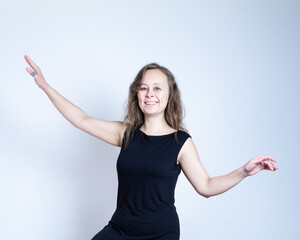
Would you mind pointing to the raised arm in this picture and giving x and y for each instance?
(206, 186)
(108, 131)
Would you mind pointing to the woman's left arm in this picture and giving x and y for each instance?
(206, 186)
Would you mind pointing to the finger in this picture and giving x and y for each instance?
(261, 158)
(268, 157)
(257, 159)
(31, 64)
(269, 165)
(32, 73)
(275, 167)
(29, 70)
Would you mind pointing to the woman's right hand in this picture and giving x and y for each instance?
(38, 77)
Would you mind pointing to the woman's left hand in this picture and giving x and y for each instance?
(259, 163)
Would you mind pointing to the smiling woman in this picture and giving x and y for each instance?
(154, 149)
(154, 92)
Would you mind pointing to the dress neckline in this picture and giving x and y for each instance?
(153, 136)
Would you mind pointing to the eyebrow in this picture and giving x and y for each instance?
(147, 84)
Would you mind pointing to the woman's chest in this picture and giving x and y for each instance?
(149, 158)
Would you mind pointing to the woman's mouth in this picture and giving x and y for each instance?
(150, 103)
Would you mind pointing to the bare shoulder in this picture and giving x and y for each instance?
(187, 149)
(192, 167)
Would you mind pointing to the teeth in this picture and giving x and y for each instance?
(150, 103)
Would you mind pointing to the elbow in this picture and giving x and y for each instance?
(80, 122)
(204, 190)
(204, 194)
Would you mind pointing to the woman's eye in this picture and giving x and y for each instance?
(143, 88)
(157, 89)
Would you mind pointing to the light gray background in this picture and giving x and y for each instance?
(237, 66)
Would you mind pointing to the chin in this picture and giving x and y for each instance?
(154, 113)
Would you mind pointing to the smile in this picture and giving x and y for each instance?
(150, 103)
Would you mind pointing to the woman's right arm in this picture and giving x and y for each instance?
(108, 131)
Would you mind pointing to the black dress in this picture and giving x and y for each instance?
(147, 175)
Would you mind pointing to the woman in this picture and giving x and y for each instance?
(154, 150)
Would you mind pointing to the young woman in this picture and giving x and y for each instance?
(154, 149)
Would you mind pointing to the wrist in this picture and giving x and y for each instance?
(45, 87)
(243, 172)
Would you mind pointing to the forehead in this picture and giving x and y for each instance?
(154, 76)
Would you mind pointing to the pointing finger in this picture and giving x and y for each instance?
(271, 158)
(260, 158)
(31, 64)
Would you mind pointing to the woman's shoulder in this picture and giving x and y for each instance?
(183, 133)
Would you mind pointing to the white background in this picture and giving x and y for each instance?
(237, 66)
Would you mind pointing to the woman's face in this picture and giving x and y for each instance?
(153, 93)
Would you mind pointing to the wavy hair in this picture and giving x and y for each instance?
(134, 117)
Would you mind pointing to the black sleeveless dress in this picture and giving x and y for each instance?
(147, 175)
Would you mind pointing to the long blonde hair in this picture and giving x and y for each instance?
(134, 117)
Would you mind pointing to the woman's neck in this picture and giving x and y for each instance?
(156, 125)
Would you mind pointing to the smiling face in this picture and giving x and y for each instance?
(153, 93)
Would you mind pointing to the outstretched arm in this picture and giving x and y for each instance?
(108, 131)
(206, 186)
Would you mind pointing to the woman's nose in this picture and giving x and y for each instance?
(150, 93)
